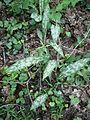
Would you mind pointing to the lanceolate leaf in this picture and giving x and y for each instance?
(75, 67)
(40, 34)
(41, 6)
(58, 48)
(7, 1)
(39, 101)
(26, 62)
(45, 18)
(55, 32)
(49, 68)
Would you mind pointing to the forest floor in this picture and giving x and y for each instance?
(75, 40)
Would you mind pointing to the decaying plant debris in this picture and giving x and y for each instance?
(45, 60)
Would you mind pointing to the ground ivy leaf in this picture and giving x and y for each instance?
(74, 100)
(1, 23)
(74, 2)
(23, 77)
(36, 17)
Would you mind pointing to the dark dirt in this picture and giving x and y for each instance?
(75, 21)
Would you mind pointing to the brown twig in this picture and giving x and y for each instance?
(4, 56)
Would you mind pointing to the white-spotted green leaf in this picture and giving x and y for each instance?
(75, 67)
(45, 20)
(55, 32)
(58, 48)
(26, 62)
(40, 34)
(7, 1)
(41, 6)
(36, 17)
(39, 101)
(49, 68)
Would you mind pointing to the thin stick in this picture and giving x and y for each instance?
(28, 88)
(11, 82)
(9, 105)
(4, 57)
(85, 36)
(40, 83)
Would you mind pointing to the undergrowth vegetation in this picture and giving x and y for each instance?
(36, 85)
